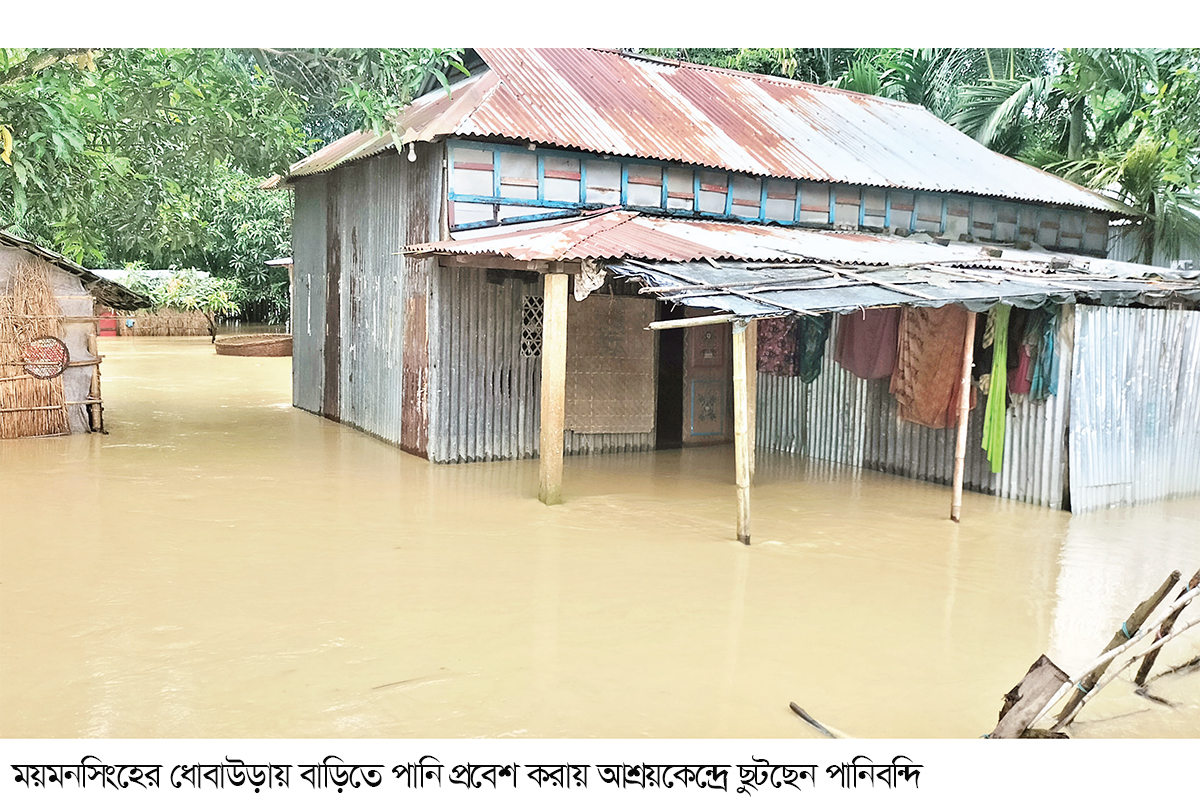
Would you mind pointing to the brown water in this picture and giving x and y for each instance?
(224, 565)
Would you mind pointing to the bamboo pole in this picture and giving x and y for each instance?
(96, 409)
(554, 388)
(1140, 677)
(964, 411)
(752, 390)
(1130, 626)
(1112, 675)
(741, 422)
(1101, 663)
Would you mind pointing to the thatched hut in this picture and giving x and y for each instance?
(49, 363)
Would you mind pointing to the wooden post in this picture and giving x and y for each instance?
(96, 410)
(741, 434)
(964, 402)
(752, 387)
(554, 387)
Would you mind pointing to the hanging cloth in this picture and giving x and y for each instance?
(1018, 379)
(928, 377)
(866, 344)
(1043, 380)
(993, 417)
(777, 347)
(812, 333)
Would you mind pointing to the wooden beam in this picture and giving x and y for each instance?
(964, 411)
(554, 388)
(693, 321)
(741, 434)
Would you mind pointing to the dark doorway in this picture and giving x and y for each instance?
(669, 407)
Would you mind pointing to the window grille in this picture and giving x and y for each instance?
(531, 325)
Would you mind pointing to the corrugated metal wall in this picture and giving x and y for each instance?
(842, 418)
(369, 199)
(308, 295)
(349, 304)
(1135, 418)
(485, 396)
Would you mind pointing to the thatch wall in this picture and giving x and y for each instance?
(40, 299)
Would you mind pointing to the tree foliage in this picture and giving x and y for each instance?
(153, 155)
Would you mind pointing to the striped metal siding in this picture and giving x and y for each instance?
(1135, 422)
(844, 419)
(485, 396)
(369, 201)
(308, 290)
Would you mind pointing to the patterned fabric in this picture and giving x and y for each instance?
(794, 346)
(777, 347)
(928, 376)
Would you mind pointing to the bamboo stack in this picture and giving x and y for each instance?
(29, 406)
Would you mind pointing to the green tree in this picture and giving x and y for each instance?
(153, 155)
(189, 290)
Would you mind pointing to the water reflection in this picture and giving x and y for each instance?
(221, 564)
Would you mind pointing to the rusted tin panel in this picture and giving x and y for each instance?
(333, 299)
(1135, 425)
(308, 301)
(614, 103)
(356, 145)
(420, 220)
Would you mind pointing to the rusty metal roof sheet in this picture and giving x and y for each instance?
(610, 102)
(106, 291)
(760, 270)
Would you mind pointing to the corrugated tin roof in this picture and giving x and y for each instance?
(758, 270)
(109, 293)
(610, 102)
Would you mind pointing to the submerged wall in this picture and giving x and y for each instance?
(485, 380)
(360, 332)
(1135, 410)
(845, 419)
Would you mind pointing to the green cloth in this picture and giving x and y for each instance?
(993, 417)
(812, 331)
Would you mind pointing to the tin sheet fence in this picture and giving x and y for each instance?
(1135, 422)
(845, 419)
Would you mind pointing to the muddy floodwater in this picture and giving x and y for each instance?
(221, 564)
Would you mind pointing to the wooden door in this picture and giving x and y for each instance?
(708, 380)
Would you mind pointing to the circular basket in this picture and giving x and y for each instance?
(45, 357)
(265, 345)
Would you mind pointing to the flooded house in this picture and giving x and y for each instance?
(49, 361)
(583, 250)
